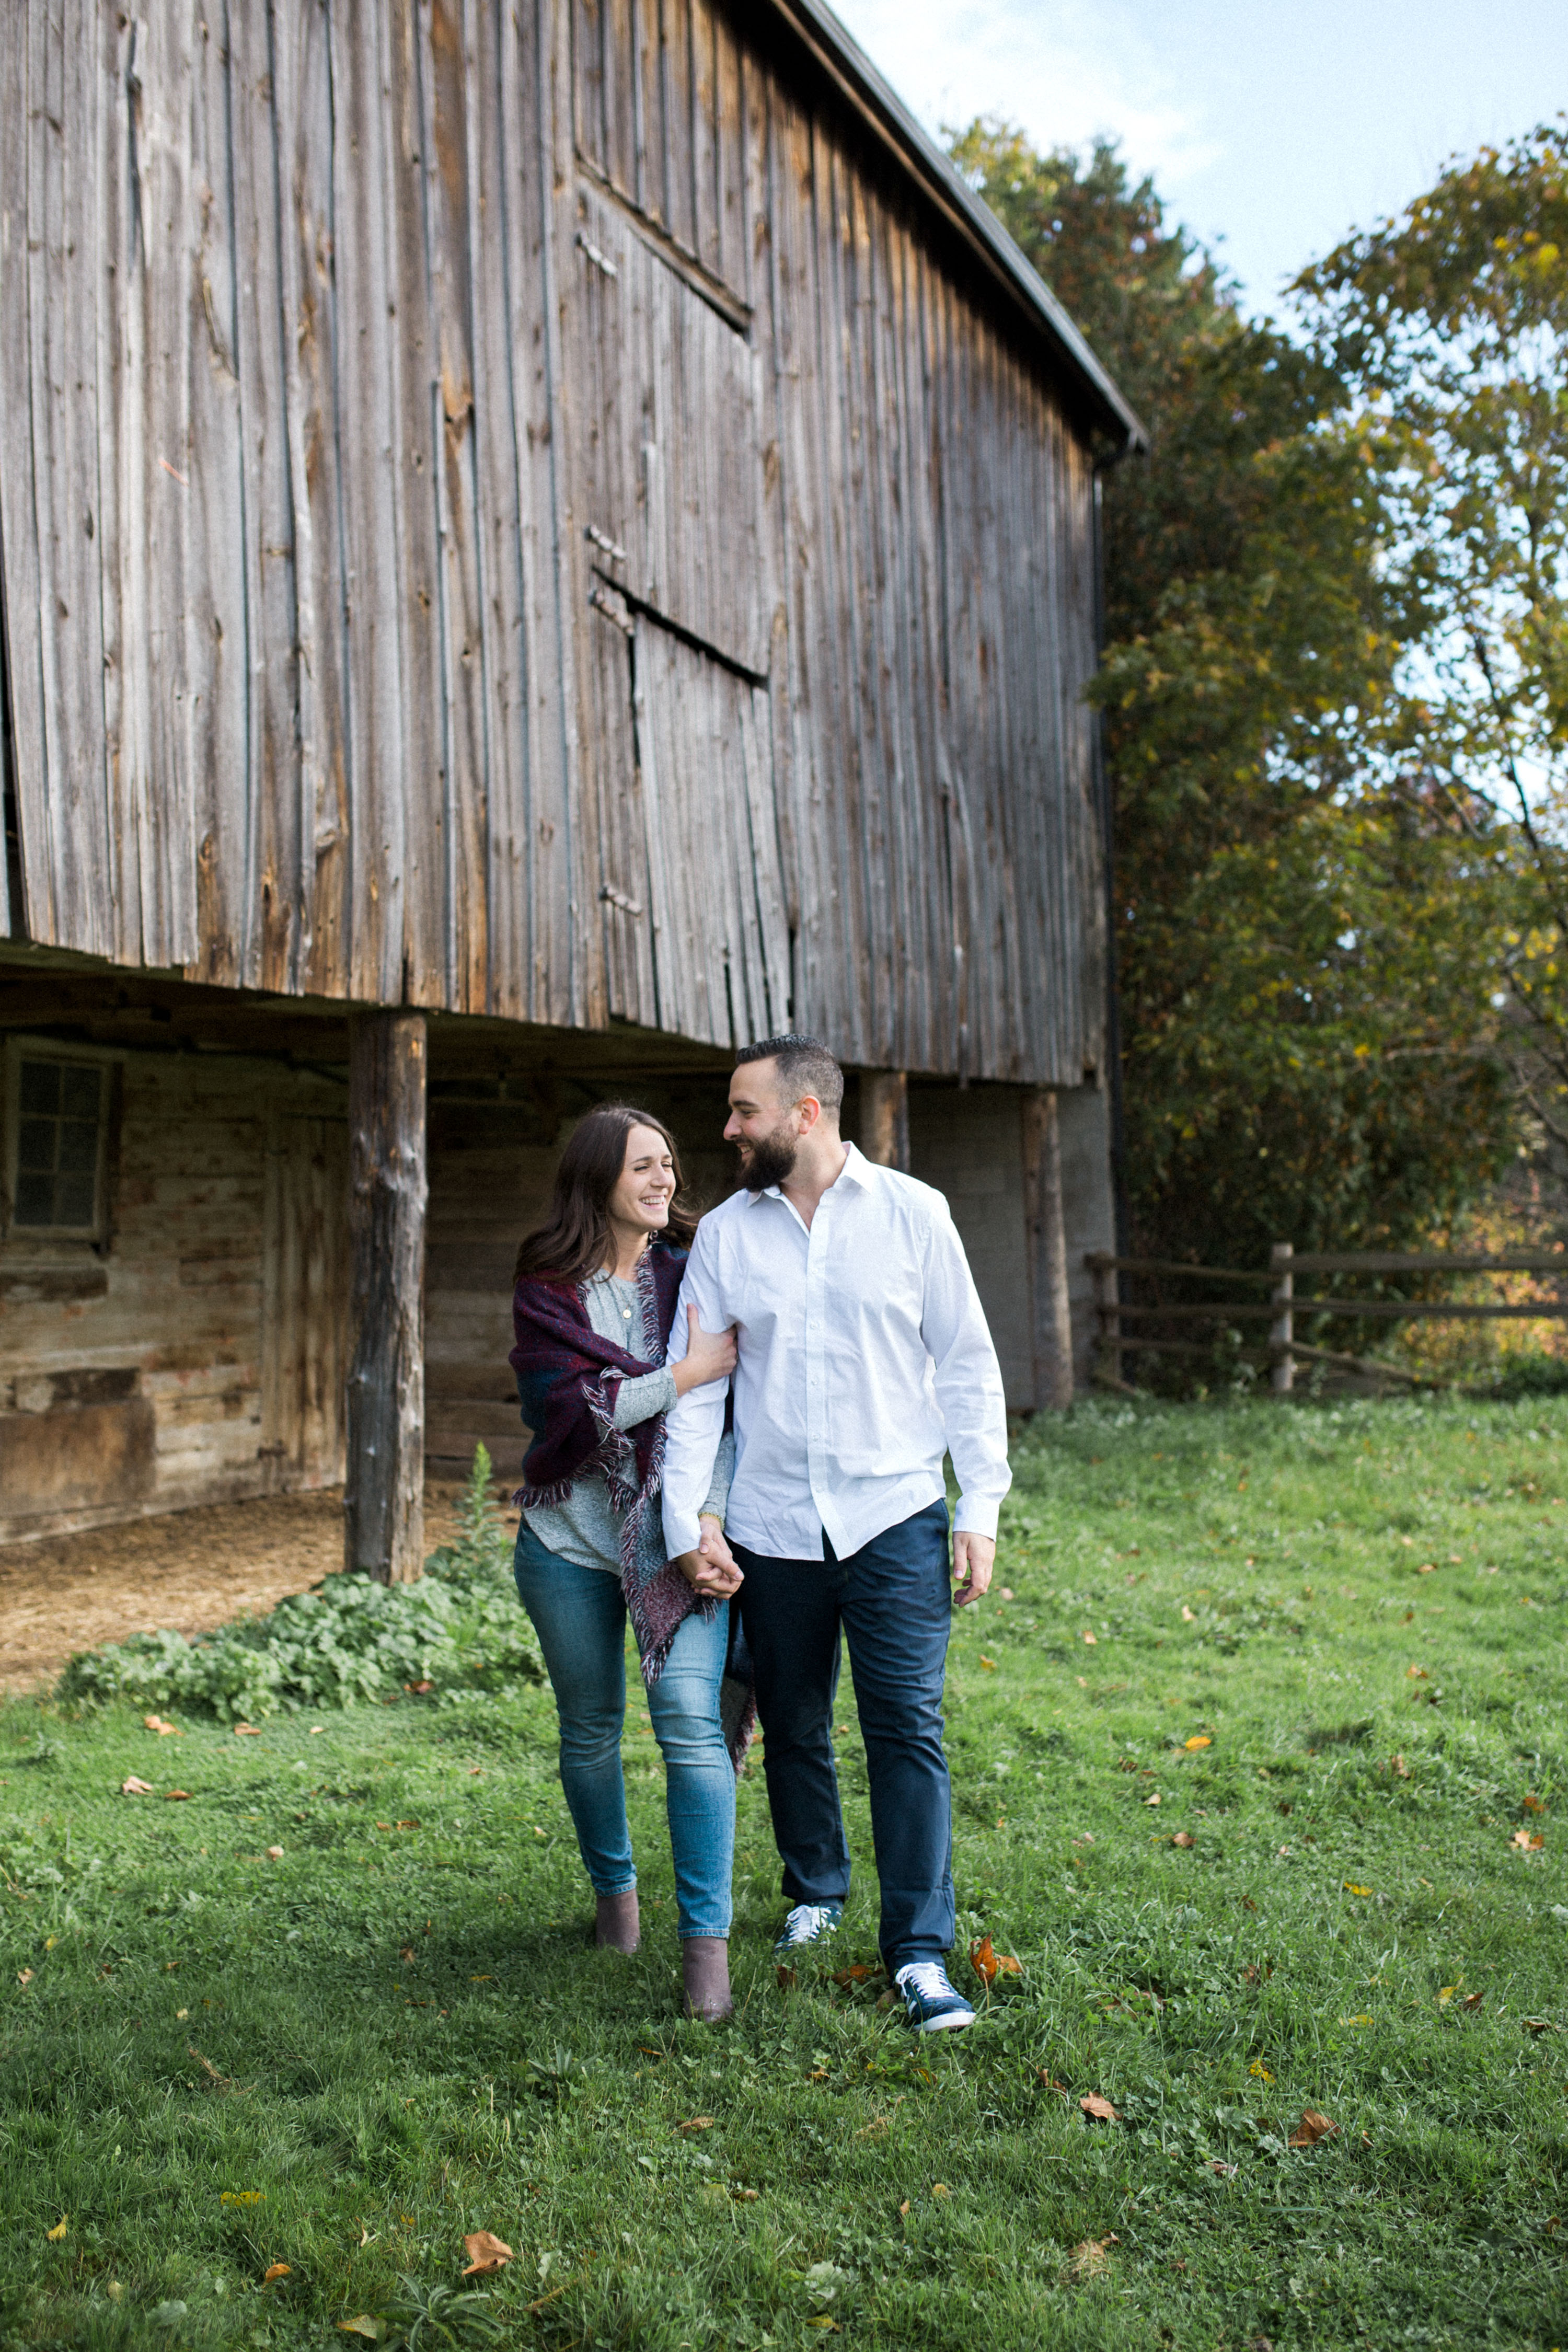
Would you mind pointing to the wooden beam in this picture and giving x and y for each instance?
(1050, 1309)
(384, 1495)
(885, 1118)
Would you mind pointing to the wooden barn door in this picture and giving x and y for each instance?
(305, 1299)
(671, 489)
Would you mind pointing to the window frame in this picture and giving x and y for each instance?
(49, 1049)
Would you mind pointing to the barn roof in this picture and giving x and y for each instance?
(846, 64)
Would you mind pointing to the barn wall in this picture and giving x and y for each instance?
(195, 1355)
(969, 1144)
(343, 365)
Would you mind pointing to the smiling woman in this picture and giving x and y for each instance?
(596, 1288)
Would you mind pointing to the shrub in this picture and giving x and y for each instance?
(349, 1638)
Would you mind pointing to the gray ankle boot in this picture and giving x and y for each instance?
(615, 1924)
(705, 1975)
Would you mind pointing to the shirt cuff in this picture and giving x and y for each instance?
(681, 1532)
(976, 1515)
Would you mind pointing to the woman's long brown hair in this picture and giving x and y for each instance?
(575, 1241)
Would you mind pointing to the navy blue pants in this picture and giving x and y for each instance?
(893, 1602)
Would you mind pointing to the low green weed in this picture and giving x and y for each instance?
(347, 1640)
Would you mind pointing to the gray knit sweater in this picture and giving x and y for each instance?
(586, 1528)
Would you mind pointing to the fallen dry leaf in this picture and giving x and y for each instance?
(786, 1979)
(1532, 1803)
(1427, 1568)
(1538, 2025)
(1093, 2105)
(57, 2233)
(165, 1730)
(1199, 1739)
(1400, 1768)
(904, 2207)
(133, 1787)
(696, 2122)
(856, 1973)
(1005, 1592)
(1352, 1889)
(1182, 1837)
(1313, 2127)
(1226, 2172)
(419, 1689)
(222, 2082)
(744, 2195)
(1153, 1797)
(405, 1954)
(940, 2189)
(1418, 1675)
(361, 2324)
(990, 1963)
(275, 2271)
(24, 1976)
(176, 1796)
(486, 2252)
(989, 1664)
(275, 1854)
(1189, 1616)
(1526, 1840)
(1092, 1639)
(245, 1731)
(1091, 2259)
(1473, 2000)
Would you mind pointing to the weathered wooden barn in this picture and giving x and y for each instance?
(540, 539)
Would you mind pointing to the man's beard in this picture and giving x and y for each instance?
(770, 1160)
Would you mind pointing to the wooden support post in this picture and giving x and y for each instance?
(1050, 1309)
(885, 1118)
(1281, 1331)
(1108, 1320)
(383, 1495)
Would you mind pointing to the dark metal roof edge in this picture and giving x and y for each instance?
(846, 64)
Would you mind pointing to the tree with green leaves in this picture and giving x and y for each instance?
(1448, 326)
(1305, 926)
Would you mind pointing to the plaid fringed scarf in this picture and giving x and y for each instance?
(568, 1381)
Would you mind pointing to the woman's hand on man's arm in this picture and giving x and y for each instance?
(709, 1356)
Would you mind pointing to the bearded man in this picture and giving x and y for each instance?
(863, 1357)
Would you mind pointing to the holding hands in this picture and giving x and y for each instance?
(710, 1570)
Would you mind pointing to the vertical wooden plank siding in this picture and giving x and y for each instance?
(512, 506)
(302, 97)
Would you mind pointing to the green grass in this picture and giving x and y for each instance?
(1250, 1576)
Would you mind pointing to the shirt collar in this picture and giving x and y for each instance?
(857, 1170)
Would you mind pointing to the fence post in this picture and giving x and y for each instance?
(1107, 1320)
(1281, 1331)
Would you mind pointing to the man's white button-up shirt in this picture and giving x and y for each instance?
(864, 1356)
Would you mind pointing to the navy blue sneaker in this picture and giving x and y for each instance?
(931, 2000)
(808, 1922)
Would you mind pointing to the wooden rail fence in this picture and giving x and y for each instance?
(1123, 1325)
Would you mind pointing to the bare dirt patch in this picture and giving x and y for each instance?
(189, 1569)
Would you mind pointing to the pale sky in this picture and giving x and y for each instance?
(1272, 126)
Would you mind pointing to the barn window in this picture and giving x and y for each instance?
(56, 1132)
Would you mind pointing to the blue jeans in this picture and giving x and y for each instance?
(893, 1601)
(580, 1618)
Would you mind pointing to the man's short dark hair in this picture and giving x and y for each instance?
(805, 1067)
